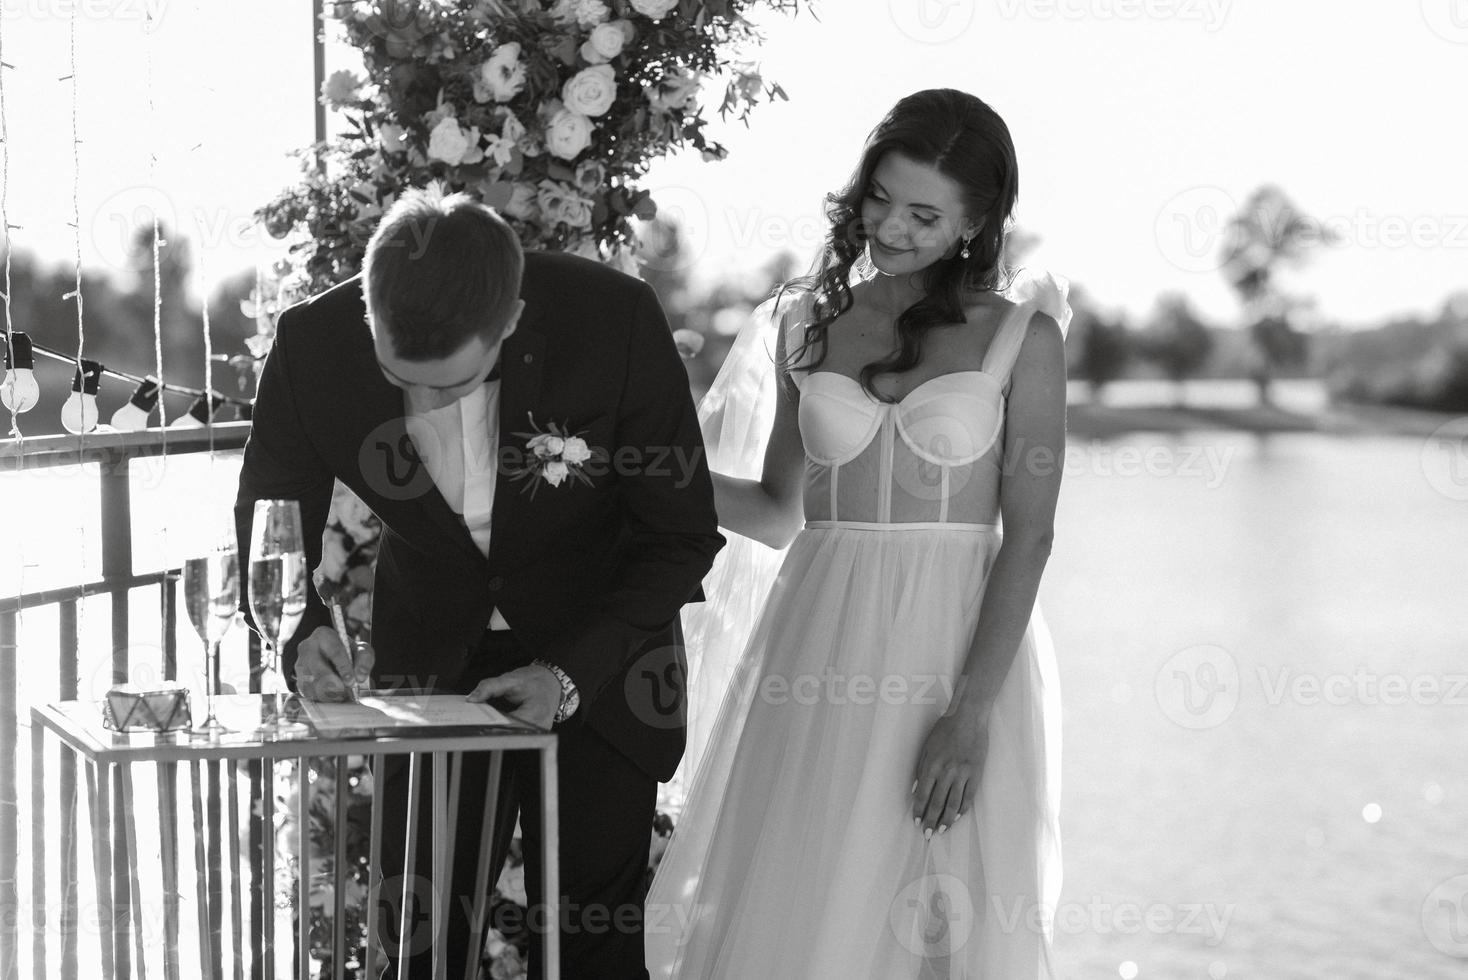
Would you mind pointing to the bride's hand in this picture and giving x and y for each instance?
(949, 770)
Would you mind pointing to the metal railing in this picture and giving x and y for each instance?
(114, 453)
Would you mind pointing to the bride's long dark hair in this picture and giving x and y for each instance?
(961, 136)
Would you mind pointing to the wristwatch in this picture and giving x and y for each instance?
(570, 697)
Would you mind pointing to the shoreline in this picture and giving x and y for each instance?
(1089, 420)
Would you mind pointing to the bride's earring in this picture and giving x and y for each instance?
(965, 252)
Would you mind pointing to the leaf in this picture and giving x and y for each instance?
(498, 194)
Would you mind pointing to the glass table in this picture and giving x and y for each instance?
(440, 728)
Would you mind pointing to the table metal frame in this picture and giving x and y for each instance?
(109, 756)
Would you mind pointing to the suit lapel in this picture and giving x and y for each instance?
(520, 376)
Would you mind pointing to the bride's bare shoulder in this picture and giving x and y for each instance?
(986, 307)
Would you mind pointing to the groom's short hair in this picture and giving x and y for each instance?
(439, 270)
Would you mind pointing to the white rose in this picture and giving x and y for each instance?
(589, 13)
(654, 9)
(575, 452)
(448, 142)
(540, 446)
(556, 473)
(590, 176)
(339, 87)
(575, 211)
(591, 91)
(607, 41)
(568, 134)
(501, 77)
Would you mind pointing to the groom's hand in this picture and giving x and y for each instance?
(531, 694)
(324, 668)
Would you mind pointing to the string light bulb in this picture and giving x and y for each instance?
(200, 413)
(79, 414)
(134, 415)
(18, 390)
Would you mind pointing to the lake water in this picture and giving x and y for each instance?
(1262, 649)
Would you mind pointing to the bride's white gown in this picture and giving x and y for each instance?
(796, 856)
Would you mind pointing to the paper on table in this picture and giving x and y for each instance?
(404, 711)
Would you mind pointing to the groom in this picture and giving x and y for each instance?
(552, 591)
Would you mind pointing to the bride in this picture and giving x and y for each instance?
(879, 793)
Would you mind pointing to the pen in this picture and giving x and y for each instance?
(340, 622)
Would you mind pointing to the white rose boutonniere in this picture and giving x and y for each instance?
(554, 455)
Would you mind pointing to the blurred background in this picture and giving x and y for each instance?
(1257, 587)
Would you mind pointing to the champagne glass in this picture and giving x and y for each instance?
(212, 595)
(277, 598)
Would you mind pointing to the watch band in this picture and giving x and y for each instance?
(570, 697)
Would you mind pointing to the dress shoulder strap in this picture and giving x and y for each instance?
(1004, 348)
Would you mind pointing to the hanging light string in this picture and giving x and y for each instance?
(76, 203)
(148, 28)
(7, 227)
(123, 375)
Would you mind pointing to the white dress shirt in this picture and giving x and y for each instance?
(460, 455)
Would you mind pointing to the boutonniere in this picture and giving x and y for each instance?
(554, 454)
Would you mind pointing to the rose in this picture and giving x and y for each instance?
(654, 9)
(575, 211)
(558, 203)
(575, 451)
(590, 91)
(584, 13)
(568, 134)
(607, 41)
(448, 142)
(340, 87)
(501, 77)
(546, 446)
(590, 176)
(555, 473)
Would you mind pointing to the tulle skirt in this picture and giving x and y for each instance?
(796, 855)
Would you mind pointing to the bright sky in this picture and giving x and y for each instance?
(1139, 125)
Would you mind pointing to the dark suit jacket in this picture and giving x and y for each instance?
(591, 577)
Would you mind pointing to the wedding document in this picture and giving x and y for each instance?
(404, 711)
